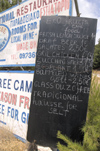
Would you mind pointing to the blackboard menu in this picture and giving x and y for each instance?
(62, 78)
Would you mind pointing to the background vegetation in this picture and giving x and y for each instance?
(91, 129)
(5, 4)
(96, 62)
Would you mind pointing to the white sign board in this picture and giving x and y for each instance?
(15, 97)
(19, 28)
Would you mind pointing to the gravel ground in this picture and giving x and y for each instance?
(9, 143)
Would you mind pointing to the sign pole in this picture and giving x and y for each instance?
(77, 8)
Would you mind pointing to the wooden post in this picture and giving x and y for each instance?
(77, 9)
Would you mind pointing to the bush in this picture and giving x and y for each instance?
(91, 128)
(96, 61)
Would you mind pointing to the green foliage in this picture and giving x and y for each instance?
(14, 2)
(96, 62)
(5, 4)
(71, 146)
(91, 128)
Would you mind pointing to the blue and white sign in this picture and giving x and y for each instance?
(19, 28)
(15, 98)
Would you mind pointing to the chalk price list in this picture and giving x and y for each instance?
(63, 65)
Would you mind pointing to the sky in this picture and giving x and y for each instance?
(90, 9)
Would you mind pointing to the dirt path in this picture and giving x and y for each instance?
(9, 143)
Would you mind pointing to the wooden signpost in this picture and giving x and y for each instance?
(62, 78)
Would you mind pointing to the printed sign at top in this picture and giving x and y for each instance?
(19, 27)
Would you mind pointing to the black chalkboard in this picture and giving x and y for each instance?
(62, 78)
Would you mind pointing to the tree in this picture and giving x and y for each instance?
(5, 4)
(14, 2)
(96, 62)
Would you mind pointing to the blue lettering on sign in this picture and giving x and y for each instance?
(25, 19)
(5, 36)
(24, 117)
(27, 55)
(28, 36)
(16, 39)
(7, 17)
(19, 30)
(32, 26)
(16, 88)
(13, 113)
(25, 86)
(22, 86)
(0, 83)
(5, 83)
(9, 80)
(2, 109)
(28, 88)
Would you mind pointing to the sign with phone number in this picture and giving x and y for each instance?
(27, 55)
(19, 27)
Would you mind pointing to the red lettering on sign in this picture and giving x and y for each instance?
(22, 10)
(26, 9)
(18, 12)
(26, 103)
(30, 6)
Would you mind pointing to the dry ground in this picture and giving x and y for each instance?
(9, 143)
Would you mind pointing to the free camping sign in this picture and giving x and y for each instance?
(15, 98)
